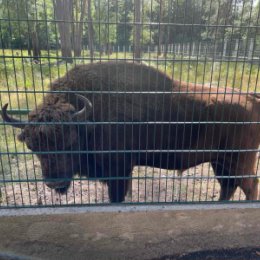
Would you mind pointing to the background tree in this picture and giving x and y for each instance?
(105, 12)
(71, 25)
(20, 34)
(161, 27)
(256, 21)
(78, 18)
(90, 32)
(63, 14)
(124, 29)
(137, 30)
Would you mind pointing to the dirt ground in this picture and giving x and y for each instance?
(149, 185)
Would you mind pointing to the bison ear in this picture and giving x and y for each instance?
(21, 137)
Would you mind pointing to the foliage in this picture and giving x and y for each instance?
(178, 20)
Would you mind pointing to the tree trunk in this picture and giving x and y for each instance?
(90, 33)
(161, 28)
(63, 13)
(29, 47)
(78, 29)
(35, 44)
(107, 43)
(137, 36)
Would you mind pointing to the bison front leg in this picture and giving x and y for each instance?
(117, 190)
(120, 170)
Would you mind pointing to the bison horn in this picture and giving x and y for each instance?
(87, 106)
(14, 122)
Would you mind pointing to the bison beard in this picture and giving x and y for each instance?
(205, 111)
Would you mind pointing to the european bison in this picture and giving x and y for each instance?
(108, 129)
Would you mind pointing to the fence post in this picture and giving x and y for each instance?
(225, 48)
(206, 49)
(215, 54)
(199, 48)
(188, 49)
(193, 49)
(235, 52)
(251, 49)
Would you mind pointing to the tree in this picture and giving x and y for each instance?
(137, 31)
(33, 32)
(78, 26)
(124, 29)
(90, 32)
(106, 11)
(35, 44)
(18, 34)
(256, 23)
(27, 24)
(161, 28)
(63, 13)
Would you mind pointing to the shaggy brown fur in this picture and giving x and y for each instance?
(172, 145)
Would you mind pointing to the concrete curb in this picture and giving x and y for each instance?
(124, 208)
(143, 233)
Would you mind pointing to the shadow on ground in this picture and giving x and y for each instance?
(229, 254)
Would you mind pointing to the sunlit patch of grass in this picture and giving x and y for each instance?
(236, 75)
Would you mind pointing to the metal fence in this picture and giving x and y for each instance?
(129, 101)
(237, 49)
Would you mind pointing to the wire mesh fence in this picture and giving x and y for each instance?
(141, 101)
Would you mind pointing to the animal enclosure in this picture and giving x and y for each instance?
(141, 101)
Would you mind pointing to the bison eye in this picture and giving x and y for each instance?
(21, 137)
(29, 146)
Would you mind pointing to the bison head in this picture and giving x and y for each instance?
(52, 132)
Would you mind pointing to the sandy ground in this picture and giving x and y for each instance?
(149, 185)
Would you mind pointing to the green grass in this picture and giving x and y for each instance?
(18, 73)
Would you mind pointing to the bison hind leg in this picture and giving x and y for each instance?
(228, 186)
(250, 188)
